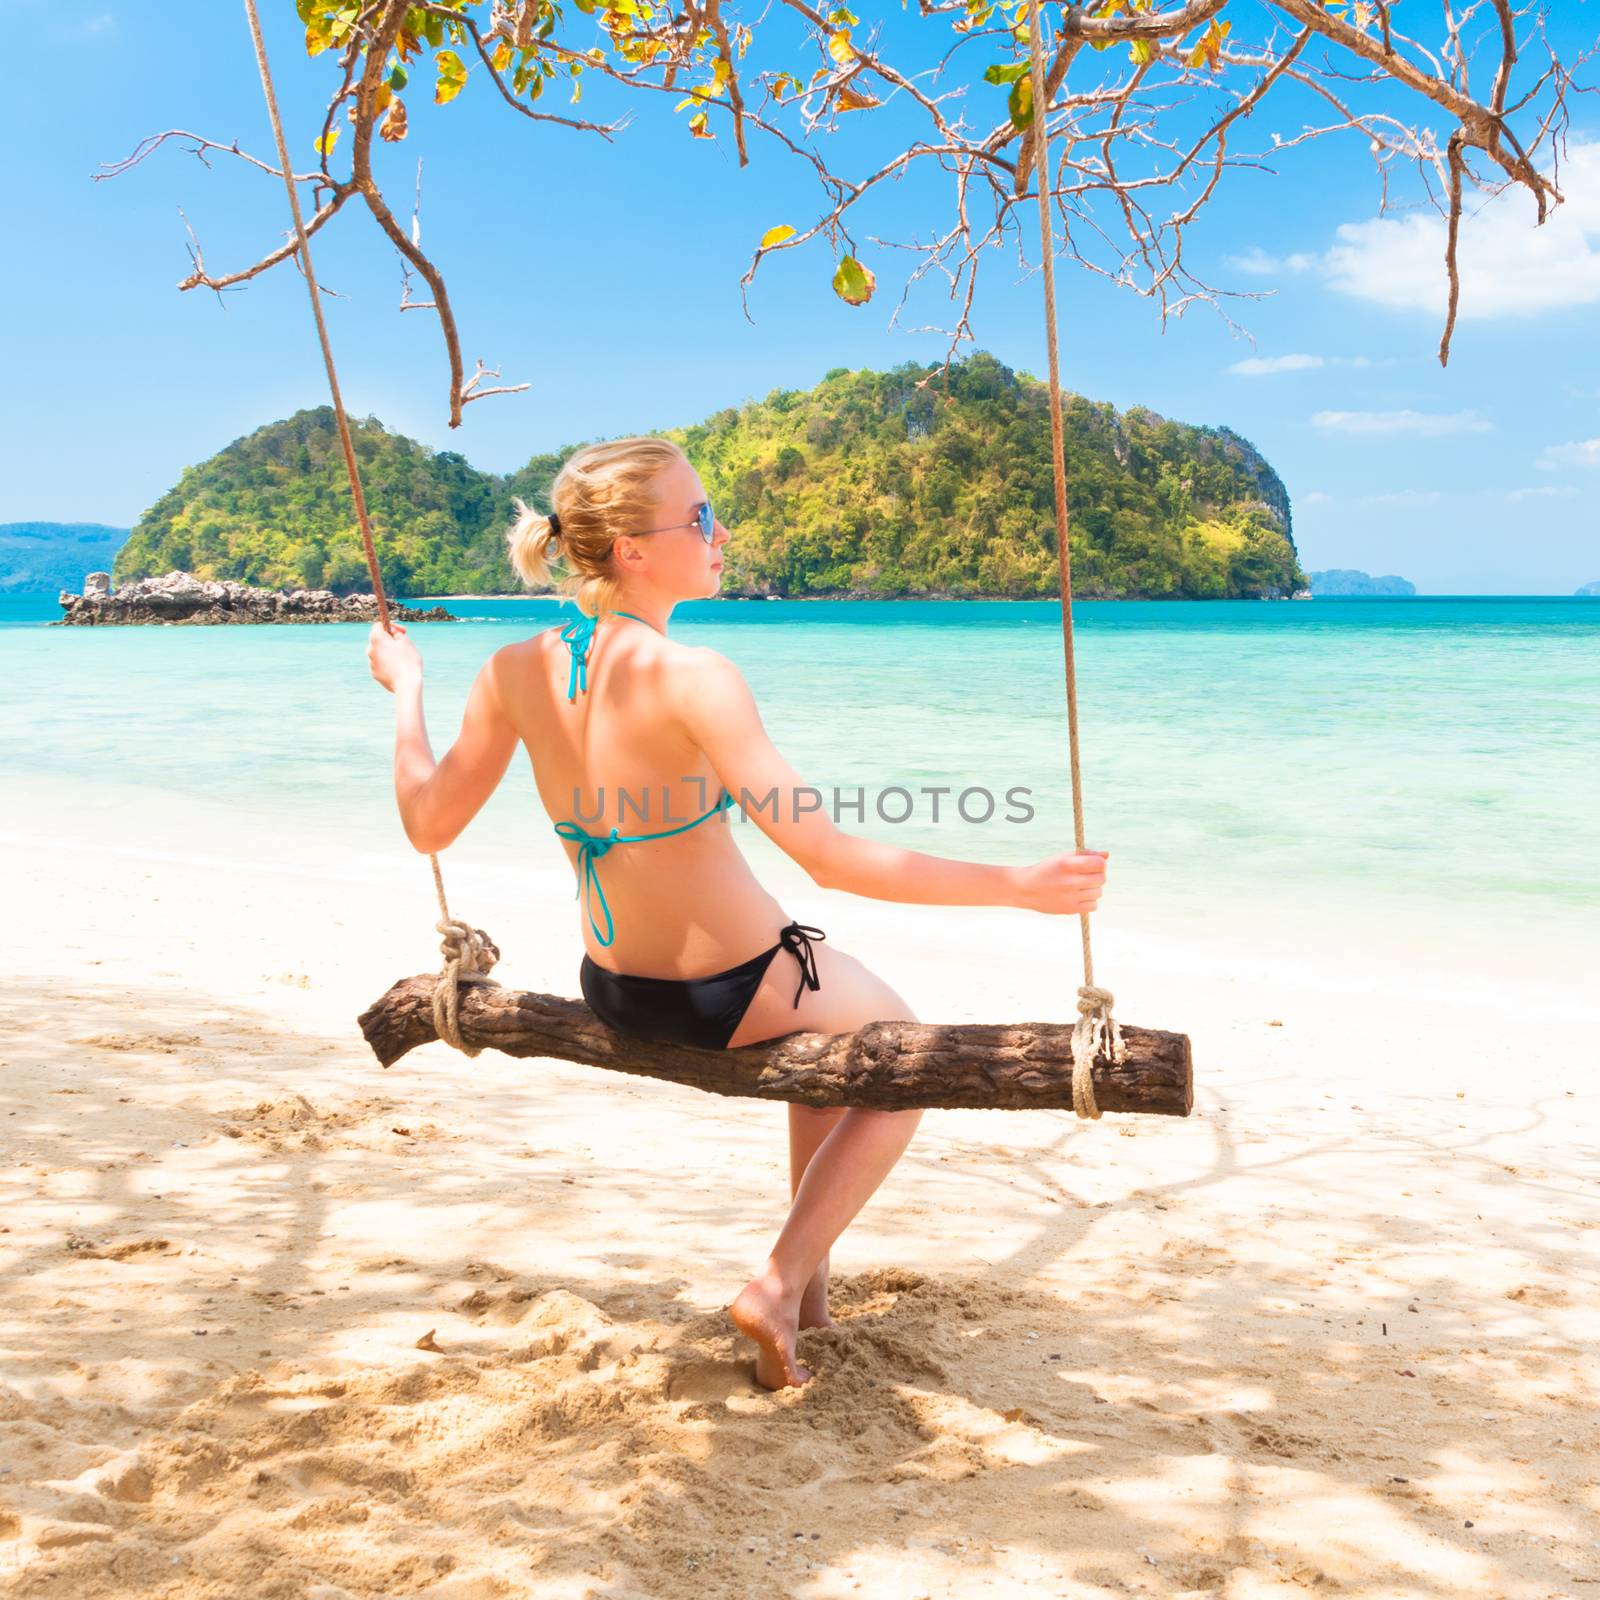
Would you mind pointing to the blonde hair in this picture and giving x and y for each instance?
(601, 491)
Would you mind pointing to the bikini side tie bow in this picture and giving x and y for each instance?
(590, 848)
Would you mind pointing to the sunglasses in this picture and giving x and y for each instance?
(705, 520)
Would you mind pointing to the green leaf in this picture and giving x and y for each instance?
(777, 235)
(1007, 73)
(399, 77)
(1141, 52)
(452, 77)
(1020, 103)
(853, 283)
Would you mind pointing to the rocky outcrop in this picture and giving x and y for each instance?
(180, 597)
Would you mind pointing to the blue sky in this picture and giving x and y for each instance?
(606, 276)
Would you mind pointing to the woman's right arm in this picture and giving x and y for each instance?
(719, 713)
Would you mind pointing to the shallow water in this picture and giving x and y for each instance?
(1396, 779)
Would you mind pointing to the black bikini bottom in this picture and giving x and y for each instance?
(705, 1012)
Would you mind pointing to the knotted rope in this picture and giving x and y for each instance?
(468, 952)
(1095, 1031)
(1096, 1028)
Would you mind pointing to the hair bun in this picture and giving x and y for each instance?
(555, 525)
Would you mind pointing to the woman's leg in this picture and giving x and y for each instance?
(841, 1177)
(843, 1169)
(808, 1127)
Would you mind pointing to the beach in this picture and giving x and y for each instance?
(280, 1324)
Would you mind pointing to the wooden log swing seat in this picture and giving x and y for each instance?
(1093, 1065)
(886, 1065)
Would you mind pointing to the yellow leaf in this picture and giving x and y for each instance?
(849, 99)
(854, 283)
(776, 235)
(840, 48)
(327, 141)
(452, 76)
(501, 58)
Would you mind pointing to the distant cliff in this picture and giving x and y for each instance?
(1590, 591)
(869, 484)
(1347, 581)
(47, 557)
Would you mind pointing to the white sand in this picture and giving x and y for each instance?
(1334, 1334)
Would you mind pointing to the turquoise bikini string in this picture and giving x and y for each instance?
(578, 635)
(592, 846)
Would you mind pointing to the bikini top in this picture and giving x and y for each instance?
(578, 636)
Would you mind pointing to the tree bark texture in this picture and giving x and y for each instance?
(887, 1065)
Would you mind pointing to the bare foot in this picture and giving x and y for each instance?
(760, 1315)
(814, 1302)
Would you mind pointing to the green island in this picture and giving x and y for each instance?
(871, 485)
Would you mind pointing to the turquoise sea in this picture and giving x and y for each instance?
(1391, 779)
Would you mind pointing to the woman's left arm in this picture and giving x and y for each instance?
(438, 800)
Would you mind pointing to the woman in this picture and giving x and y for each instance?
(631, 735)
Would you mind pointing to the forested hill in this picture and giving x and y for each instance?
(869, 483)
(864, 485)
(274, 509)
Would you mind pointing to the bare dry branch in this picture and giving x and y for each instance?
(1125, 189)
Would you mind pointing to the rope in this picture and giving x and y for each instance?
(468, 952)
(1096, 1028)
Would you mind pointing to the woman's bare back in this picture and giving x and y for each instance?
(683, 906)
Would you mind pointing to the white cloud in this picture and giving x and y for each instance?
(1510, 266)
(1581, 453)
(1259, 264)
(1265, 366)
(1316, 498)
(1261, 366)
(1547, 492)
(1428, 425)
(103, 23)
